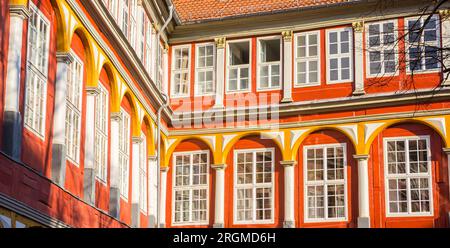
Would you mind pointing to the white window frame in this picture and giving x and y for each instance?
(423, 70)
(235, 187)
(382, 48)
(339, 56)
(40, 76)
(103, 133)
(228, 66)
(190, 187)
(259, 64)
(77, 110)
(205, 69)
(143, 175)
(174, 71)
(407, 176)
(324, 183)
(122, 21)
(307, 59)
(124, 185)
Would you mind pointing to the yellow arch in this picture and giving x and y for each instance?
(395, 122)
(63, 40)
(113, 93)
(184, 138)
(136, 131)
(87, 46)
(146, 121)
(238, 137)
(299, 141)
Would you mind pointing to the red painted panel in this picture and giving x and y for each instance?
(186, 146)
(439, 178)
(254, 142)
(320, 138)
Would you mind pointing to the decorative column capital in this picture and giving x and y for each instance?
(444, 13)
(358, 26)
(137, 140)
(164, 169)
(220, 42)
(64, 57)
(446, 150)
(219, 166)
(152, 157)
(291, 163)
(166, 48)
(116, 116)
(287, 35)
(20, 11)
(92, 91)
(361, 157)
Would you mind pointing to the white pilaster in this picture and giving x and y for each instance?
(445, 20)
(59, 119)
(287, 66)
(152, 191)
(289, 193)
(219, 204)
(447, 151)
(12, 120)
(220, 72)
(114, 199)
(89, 146)
(363, 191)
(358, 28)
(162, 217)
(135, 201)
(12, 88)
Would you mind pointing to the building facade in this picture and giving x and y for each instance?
(332, 113)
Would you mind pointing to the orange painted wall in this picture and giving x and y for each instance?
(186, 146)
(320, 138)
(250, 143)
(125, 205)
(74, 173)
(439, 180)
(35, 151)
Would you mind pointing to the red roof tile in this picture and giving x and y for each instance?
(201, 10)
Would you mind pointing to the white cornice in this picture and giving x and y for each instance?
(305, 124)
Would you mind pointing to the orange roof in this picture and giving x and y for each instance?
(202, 10)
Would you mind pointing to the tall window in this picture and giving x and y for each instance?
(325, 182)
(254, 186)
(191, 187)
(142, 32)
(180, 71)
(238, 66)
(143, 173)
(113, 8)
(101, 133)
(124, 152)
(307, 58)
(37, 71)
(73, 109)
(148, 48)
(381, 48)
(269, 63)
(205, 70)
(408, 176)
(125, 14)
(133, 25)
(340, 58)
(423, 44)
